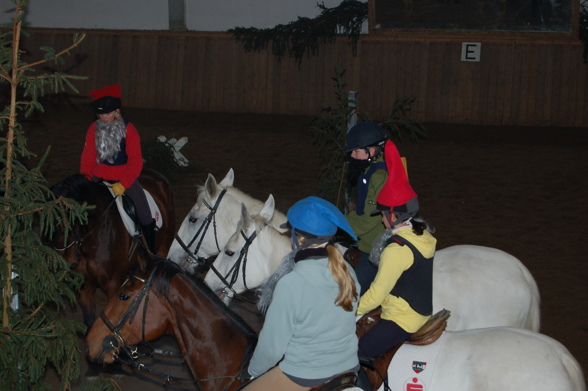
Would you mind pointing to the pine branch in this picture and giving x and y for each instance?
(305, 35)
(35, 281)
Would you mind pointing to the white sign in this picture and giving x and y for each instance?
(470, 51)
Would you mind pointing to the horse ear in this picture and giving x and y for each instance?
(229, 179)
(246, 219)
(211, 186)
(267, 212)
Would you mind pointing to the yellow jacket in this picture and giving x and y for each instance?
(395, 259)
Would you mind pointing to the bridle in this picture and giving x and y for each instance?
(233, 272)
(210, 218)
(129, 315)
(132, 351)
(241, 262)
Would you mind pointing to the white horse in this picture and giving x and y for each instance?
(212, 220)
(490, 359)
(481, 286)
(252, 254)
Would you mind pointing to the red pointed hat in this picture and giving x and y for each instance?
(397, 190)
(113, 91)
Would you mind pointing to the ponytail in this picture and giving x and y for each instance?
(338, 267)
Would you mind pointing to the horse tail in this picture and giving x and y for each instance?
(574, 370)
(533, 322)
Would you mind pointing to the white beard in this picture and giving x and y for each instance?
(108, 137)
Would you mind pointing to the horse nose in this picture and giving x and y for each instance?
(109, 343)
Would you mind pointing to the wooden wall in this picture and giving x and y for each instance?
(531, 81)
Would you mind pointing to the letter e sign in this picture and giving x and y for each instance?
(470, 51)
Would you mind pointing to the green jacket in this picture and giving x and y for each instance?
(368, 228)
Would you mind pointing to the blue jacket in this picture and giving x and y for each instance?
(315, 338)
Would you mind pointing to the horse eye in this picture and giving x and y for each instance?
(192, 220)
(229, 253)
(123, 297)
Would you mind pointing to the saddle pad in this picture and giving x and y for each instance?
(129, 224)
(411, 368)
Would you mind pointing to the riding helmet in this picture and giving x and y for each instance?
(364, 134)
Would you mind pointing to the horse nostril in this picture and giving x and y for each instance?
(109, 343)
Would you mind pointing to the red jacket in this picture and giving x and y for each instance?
(127, 173)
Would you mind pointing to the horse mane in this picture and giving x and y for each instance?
(167, 269)
(75, 186)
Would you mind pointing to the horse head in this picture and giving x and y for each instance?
(165, 300)
(125, 321)
(251, 252)
(212, 220)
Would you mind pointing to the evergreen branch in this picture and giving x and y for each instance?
(78, 38)
(303, 36)
(35, 280)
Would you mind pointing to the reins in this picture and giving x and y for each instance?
(129, 315)
(234, 271)
(241, 263)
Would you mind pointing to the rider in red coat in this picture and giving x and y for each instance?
(113, 153)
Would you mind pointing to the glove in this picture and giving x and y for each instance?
(118, 189)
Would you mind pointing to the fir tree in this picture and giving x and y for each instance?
(305, 35)
(35, 282)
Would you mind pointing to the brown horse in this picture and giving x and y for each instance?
(216, 343)
(100, 249)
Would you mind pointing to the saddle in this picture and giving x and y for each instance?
(427, 334)
(343, 381)
(128, 212)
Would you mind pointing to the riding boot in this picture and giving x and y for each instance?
(148, 232)
(363, 380)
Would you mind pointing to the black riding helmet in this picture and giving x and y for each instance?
(363, 135)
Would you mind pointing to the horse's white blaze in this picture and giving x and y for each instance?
(225, 222)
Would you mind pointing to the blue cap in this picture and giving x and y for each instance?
(318, 217)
